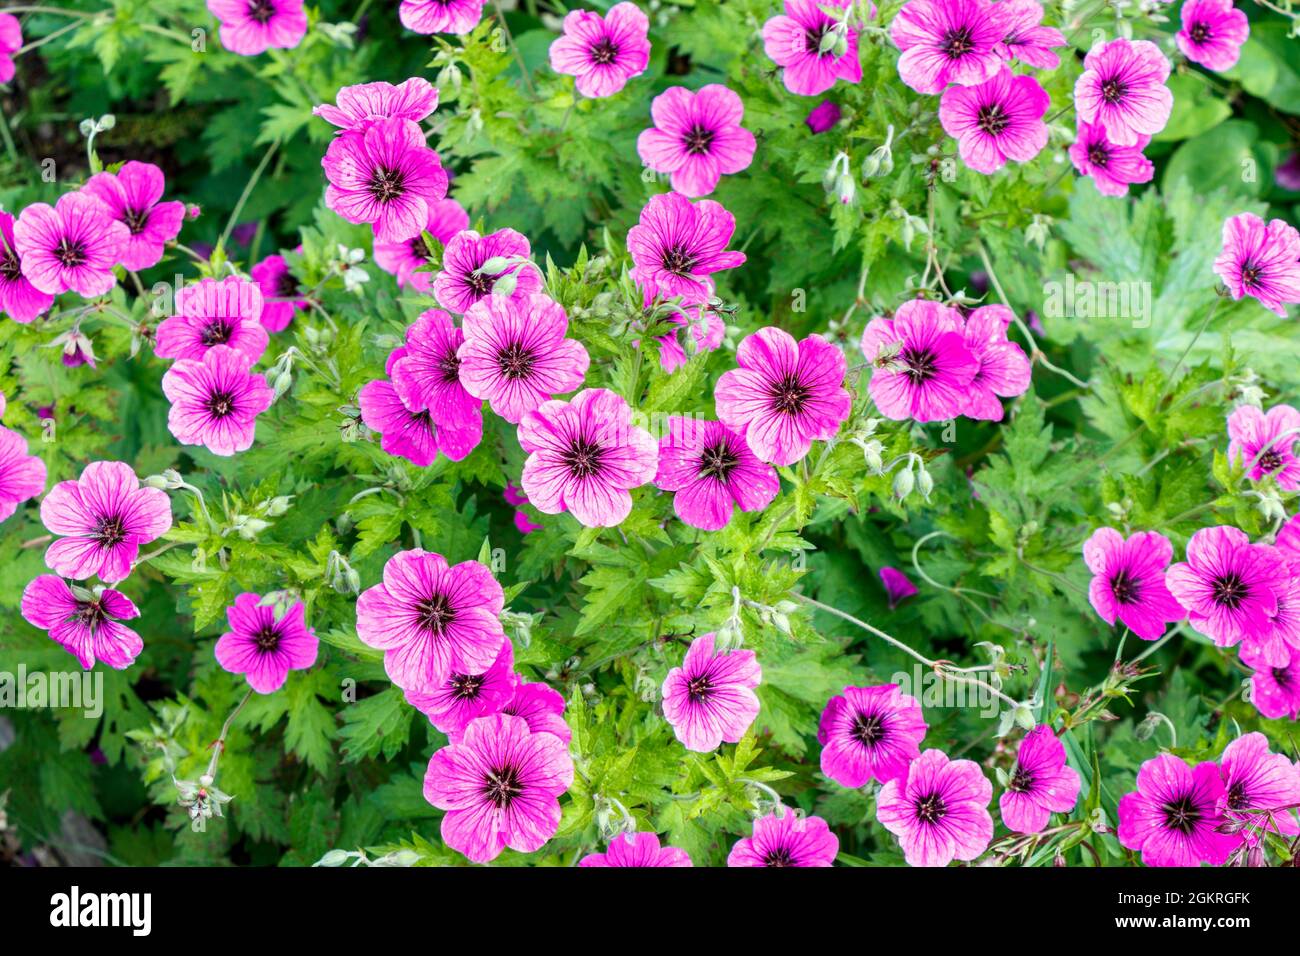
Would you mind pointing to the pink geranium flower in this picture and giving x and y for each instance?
(870, 733)
(696, 138)
(678, 244)
(132, 196)
(602, 53)
(411, 432)
(712, 471)
(1004, 369)
(637, 849)
(1274, 690)
(83, 622)
(541, 706)
(823, 116)
(250, 27)
(464, 280)
(1027, 40)
(948, 41)
(446, 218)
(1129, 580)
(585, 456)
(1174, 815)
(786, 839)
(711, 698)
(1212, 34)
(366, 103)
(214, 312)
(11, 41)
(215, 400)
(922, 367)
(70, 246)
(104, 517)
(1229, 586)
(1041, 784)
(384, 175)
(264, 647)
(938, 810)
(997, 120)
(1264, 443)
(803, 40)
(1256, 779)
(1260, 259)
(427, 375)
(499, 786)
(19, 299)
(1113, 168)
(432, 619)
(785, 395)
(460, 698)
(1123, 90)
(441, 16)
(897, 586)
(281, 294)
(22, 476)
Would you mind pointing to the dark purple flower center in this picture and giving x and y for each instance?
(699, 687)
(70, 254)
(267, 639)
(604, 51)
(957, 43)
(813, 39)
(1229, 591)
(1022, 780)
(221, 404)
(1250, 274)
(1181, 815)
(697, 140)
(1126, 588)
(930, 808)
(1270, 461)
(1113, 90)
(90, 614)
(582, 457)
(717, 461)
(286, 286)
(11, 269)
(1200, 32)
(466, 686)
(992, 119)
(779, 856)
(419, 248)
(110, 531)
(387, 184)
(261, 10)
(502, 785)
(435, 614)
(678, 260)
(480, 283)
(449, 366)
(1238, 799)
(868, 729)
(1098, 155)
(920, 365)
(515, 361)
(789, 395)
(136, 220)
(216, 332)
(1282, 677)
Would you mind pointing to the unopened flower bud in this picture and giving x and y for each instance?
(505, 285)
(904, 481)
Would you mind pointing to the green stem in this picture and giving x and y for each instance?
(248, 189)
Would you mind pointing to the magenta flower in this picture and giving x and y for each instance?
(823, 116)
(263, 647)
(464, 280)
(677, 244)
(897, 586)
(1112, 167)
(1004, 369)
(938, 810)
(1258, 259)
(132, 196)
(215, 400)
(1041, 784)
(1174, 815)
(515, 354)
(948, 41)
(696, 138)
(784, 395)
(921, 365)
(427, 374)
(1123, 90)
(84, 623)
(499, 786)
(432, 619)
(104, 517)
(786, 839)
(250, 27)
(460, 698)
(1212, 34)
(72, 245)
(215, 312)
(711, 698)
(441, 16)
(1287, 173)
(1264, 443)
(281, 294)
(1275, 691)
(1129, 581)
(19, 299)
(384, 175)
(11, 41)
(804, 41)
(603, 53)
(366, 103)
(541, 706)
(1229, 586)
(997, 120)
(1027, 40)
(637, 849)
(870, 733)
(585, 456)
(414, 434)
(712, 470)
(22, 476)
(446, 218)
(1255, 779)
